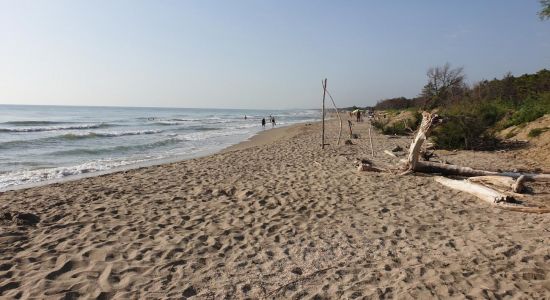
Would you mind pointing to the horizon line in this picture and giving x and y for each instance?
(162, 107)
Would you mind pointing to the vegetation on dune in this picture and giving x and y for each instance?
(474, 114)
(401, 126)
(537, 131)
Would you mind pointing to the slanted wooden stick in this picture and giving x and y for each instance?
(390, 153)
(337, 113)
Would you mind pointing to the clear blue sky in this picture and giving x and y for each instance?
(256, 54)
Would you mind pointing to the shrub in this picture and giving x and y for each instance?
(395, 129)
(467, 125)
(379, 124)
(532, 109)
(537, 131)
(398, 128)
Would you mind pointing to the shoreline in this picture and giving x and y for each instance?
(263, 137)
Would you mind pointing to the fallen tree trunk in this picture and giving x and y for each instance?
(515, 186)
(489, 195)
(428, 120)
(478, 190)
(433, 167)
(414, 165)
(512, 182)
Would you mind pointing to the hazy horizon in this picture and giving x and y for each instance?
(255, 55)
(167, 107)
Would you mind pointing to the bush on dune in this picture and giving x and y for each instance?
(473, 125)
(467, 126)
(472, 114)
(399, 128)
(532, 109)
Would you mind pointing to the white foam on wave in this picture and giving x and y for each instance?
(34, 176)
(54, 128)
(203, 135)
(115, 133)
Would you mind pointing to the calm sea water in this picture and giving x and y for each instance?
(41, 143)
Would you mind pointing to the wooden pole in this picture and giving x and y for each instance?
(370, 139)
(324, 94)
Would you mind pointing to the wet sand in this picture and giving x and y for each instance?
(274, 217)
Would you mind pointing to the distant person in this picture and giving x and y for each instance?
(273, 122)
(358, 116)
(245, 117)
(263, 122)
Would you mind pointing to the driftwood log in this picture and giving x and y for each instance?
(478, 184)
(426, 126)
(414, 165)
(505, 182)
(444, 169)
(502, 200)
(484, 193)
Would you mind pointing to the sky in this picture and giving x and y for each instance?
(256, 54)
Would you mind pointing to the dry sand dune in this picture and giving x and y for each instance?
(279, 219)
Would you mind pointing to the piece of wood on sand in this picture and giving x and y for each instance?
(505, 182)
(426, 126)
(478, 190)
(489, 195)
(366, 165)
(512, 182)
(445, 169)
(390, 153)
(414, 165)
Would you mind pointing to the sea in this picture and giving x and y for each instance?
(41, 144)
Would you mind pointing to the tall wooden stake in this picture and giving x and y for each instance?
(370, 139)
(324, 94)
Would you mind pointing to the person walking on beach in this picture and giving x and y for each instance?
(263, 122)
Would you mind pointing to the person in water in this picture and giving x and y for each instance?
(263, 122)
(273, 122)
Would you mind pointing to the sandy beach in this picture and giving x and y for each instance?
(274, 217)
